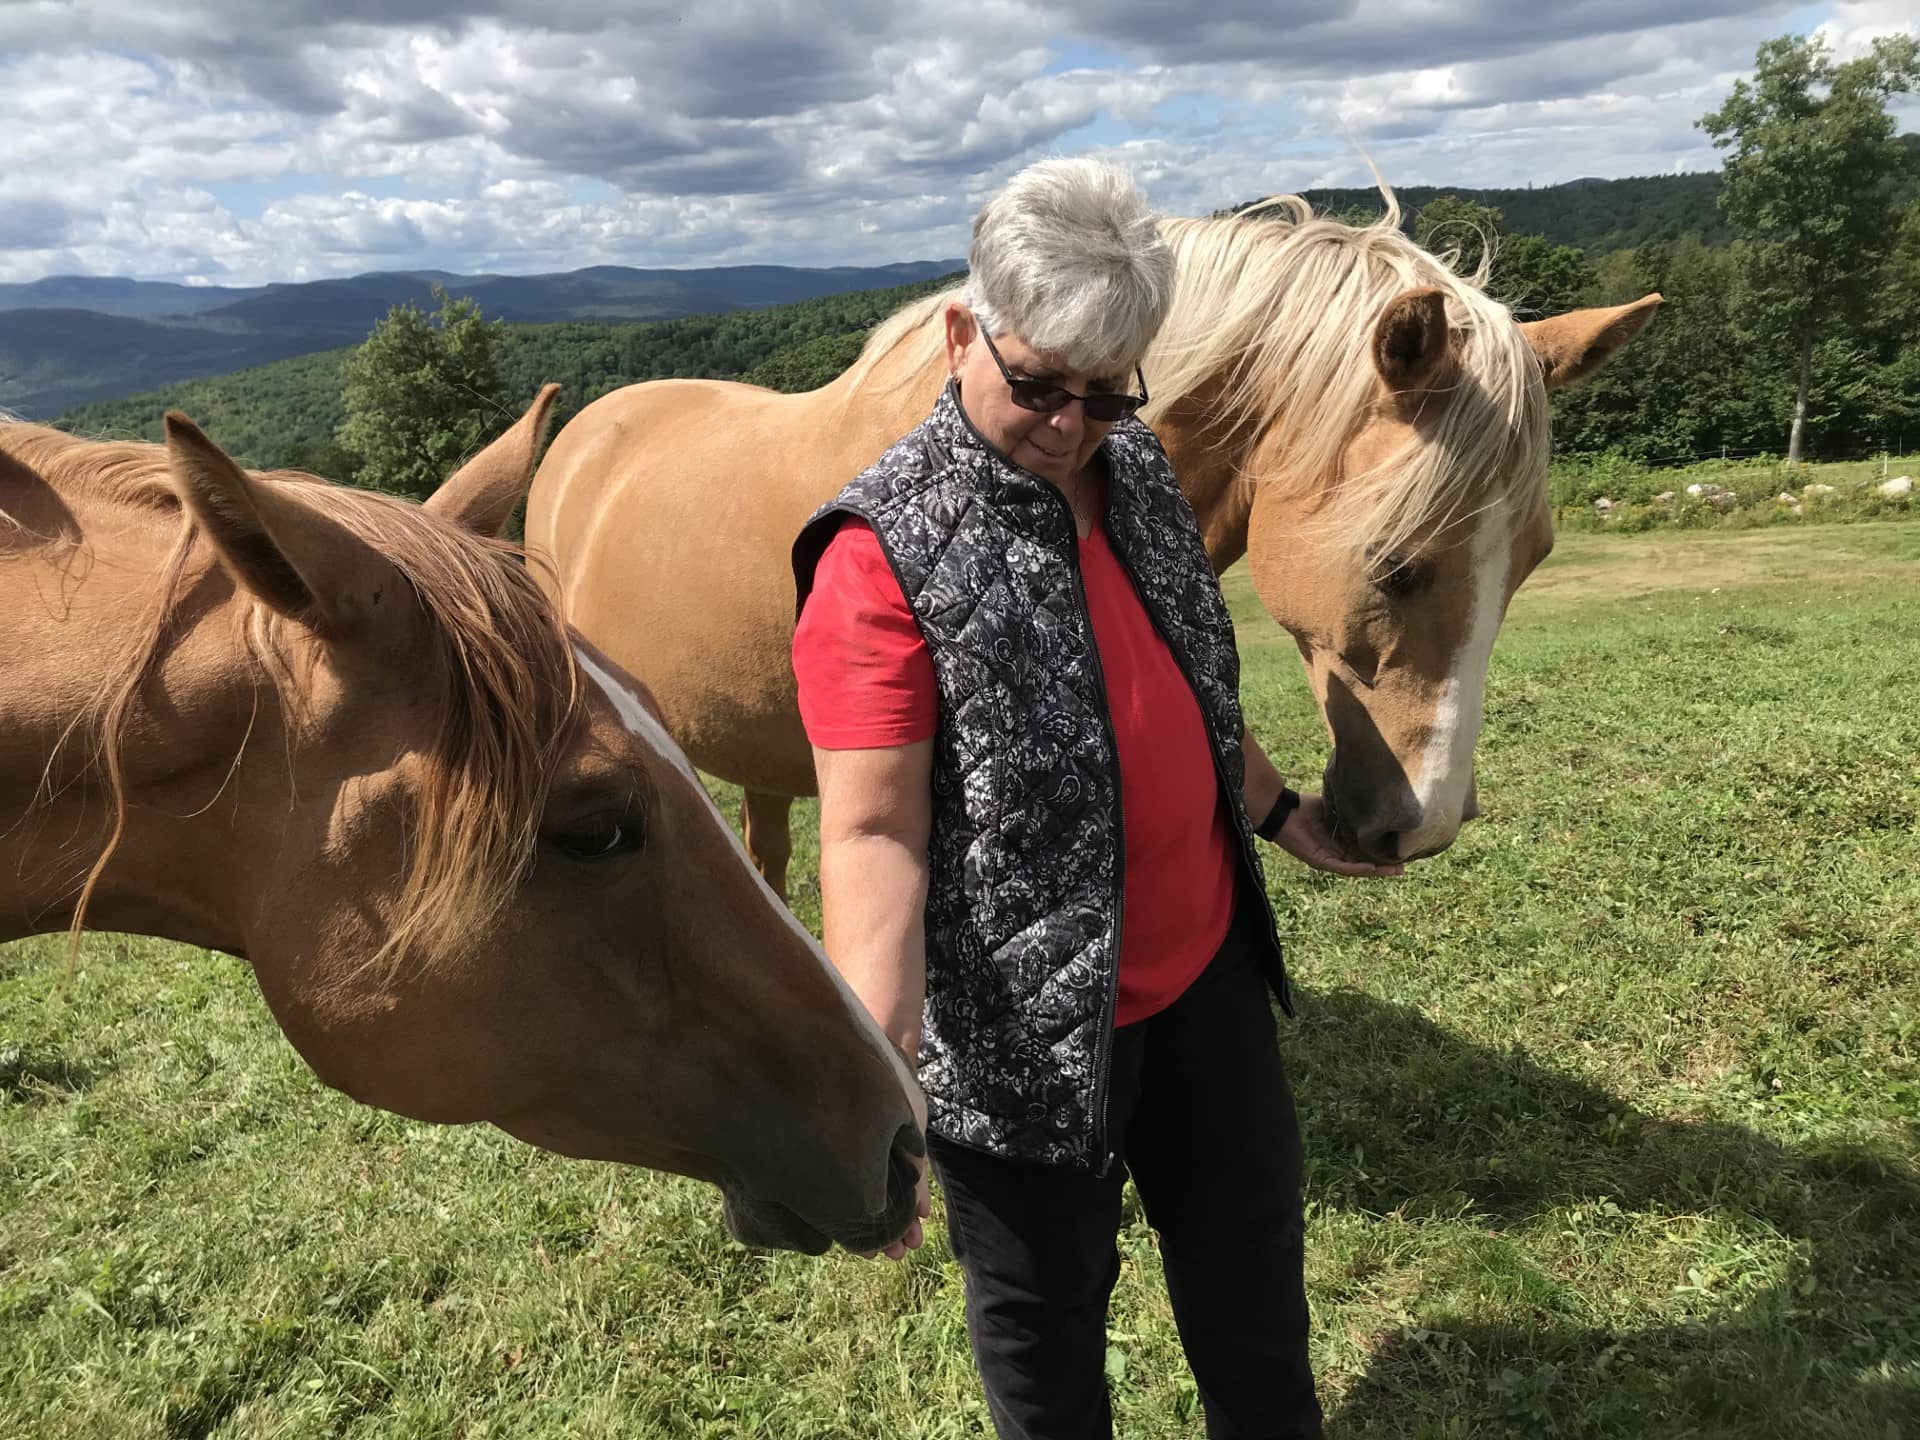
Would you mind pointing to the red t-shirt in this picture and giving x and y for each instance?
(866, 681)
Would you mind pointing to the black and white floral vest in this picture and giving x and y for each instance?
(1027, 853)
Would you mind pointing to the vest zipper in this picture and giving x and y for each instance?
(1103, 1061)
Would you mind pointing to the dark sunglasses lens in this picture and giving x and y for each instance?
(1040, 396)
(1111, 407)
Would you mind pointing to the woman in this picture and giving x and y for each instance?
(1036, 862)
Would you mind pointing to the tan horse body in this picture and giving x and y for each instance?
(349, 739)
(1369, 427)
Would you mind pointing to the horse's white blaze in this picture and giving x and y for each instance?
(1445, 778)
(640, 722)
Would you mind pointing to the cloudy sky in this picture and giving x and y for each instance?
(240, 141)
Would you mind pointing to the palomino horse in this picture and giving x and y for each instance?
(349, 739)
(1340, 405)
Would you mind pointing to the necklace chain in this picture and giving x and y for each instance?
(1081, 519)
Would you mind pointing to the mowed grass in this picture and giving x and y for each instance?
(1612, 1112)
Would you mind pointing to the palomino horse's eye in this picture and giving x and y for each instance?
(602, 838)
(1396, 575)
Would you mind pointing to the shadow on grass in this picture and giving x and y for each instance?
(28, 1075)
(1402, 1117)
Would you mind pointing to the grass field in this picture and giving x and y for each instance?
(1612, 1112)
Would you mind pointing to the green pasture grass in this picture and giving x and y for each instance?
(1612, 1112)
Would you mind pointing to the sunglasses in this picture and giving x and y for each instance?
(1044, 397)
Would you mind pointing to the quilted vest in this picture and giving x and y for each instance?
(1026, 858)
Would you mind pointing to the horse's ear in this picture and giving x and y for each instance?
(1574, 345)
(482, 494)
(298, 561)
(1411, 341)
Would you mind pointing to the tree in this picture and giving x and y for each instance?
(818, 362)
(421, 394)
(1359, 216)
(1462, 227)
(1896, 303)
(1811, 173)
(1537, 277)
(1695, 382)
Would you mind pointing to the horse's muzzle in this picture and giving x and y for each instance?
(768, 1224)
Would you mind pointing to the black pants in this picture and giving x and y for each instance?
(1203, 1118)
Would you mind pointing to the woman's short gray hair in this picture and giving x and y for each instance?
(1069, 258)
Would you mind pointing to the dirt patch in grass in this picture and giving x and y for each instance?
(1584, 569)
(1607, 567)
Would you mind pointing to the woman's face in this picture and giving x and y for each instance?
(1055, 447)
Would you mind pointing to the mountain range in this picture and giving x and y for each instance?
(70, 339)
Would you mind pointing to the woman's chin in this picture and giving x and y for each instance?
(1052, 467)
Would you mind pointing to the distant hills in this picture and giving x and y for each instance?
(71, 340)
(285, 414)
(68, 340)
(111, 295)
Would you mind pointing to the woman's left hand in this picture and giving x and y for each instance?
(1305, 836)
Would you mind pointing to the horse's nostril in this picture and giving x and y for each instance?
(909, 1139)
(903, 1169)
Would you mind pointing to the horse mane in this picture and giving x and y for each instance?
(508, 687)
(1276, 307)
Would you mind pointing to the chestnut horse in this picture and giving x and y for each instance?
(349, 739)
(1341, 406)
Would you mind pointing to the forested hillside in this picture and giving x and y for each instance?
(137, 337)
(71, 340)
(1597, 216)
(286, 414)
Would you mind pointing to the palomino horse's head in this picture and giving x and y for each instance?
(476, 880)
(1385, 428)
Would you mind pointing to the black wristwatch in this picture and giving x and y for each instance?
(1269, 828)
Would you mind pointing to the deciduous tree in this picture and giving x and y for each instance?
(1811, 173)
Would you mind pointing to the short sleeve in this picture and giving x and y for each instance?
(866, 677)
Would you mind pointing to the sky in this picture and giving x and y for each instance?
(237, 142)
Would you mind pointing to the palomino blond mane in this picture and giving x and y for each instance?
(1276, 307)
(508, 685)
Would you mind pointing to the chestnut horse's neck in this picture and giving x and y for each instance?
(895, 395)
(81, 582)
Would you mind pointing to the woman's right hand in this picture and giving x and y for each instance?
(916, 1235)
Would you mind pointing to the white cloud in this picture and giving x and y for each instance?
(246, 140)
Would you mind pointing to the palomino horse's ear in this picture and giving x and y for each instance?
(482, 493)
(1411, 340)
(298, 561)
(1574, 345)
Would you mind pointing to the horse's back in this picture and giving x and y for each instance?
(679, 501)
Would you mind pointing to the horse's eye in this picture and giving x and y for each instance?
(601, 838)
(1396, 576)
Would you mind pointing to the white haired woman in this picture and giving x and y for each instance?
(1037, 866)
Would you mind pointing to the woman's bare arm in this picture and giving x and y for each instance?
(876, 814)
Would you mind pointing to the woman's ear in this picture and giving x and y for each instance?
(961, 331)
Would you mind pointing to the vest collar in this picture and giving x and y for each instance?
(996, 475)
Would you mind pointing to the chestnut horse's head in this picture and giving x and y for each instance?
(349, 738)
